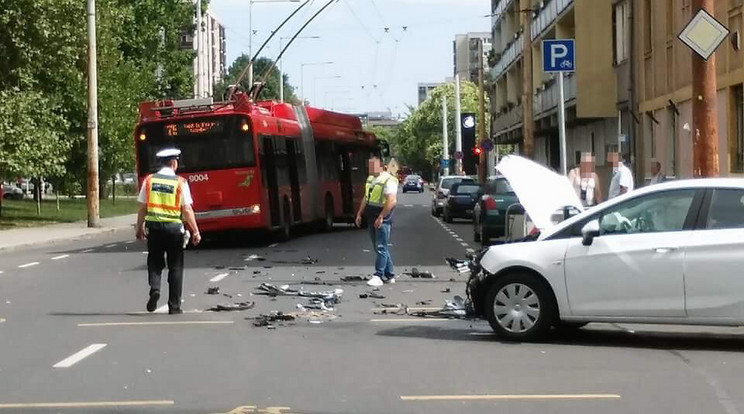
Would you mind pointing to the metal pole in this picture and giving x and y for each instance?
(458, 123)
(528, 125)
(445, 137)
(302, 83)
(92, 196)
(199, 50)
(704, 108)
(281, 75)
(250, 41)
(562, 122)
(482, 164)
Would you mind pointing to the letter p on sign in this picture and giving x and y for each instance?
(558, 55)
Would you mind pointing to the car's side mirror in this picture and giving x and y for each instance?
(589, 232)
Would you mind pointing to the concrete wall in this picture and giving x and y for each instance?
(595, 74)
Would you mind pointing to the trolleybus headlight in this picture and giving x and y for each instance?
(255, 209)
(245, 127)
(142, 136)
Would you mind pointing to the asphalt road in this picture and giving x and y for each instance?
(90, 295)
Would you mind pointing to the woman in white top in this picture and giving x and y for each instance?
(586, 182)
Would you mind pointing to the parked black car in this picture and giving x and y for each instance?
(461, 200)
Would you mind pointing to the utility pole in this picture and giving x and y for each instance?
(92, 196)
(482, 163)
(704, 108)
(445, 137)
(528, 142)
(199, 89)
(458, 126)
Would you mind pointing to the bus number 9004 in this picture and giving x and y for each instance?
(197, 178)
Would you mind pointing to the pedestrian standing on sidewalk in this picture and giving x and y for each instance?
(377, 205)
(165, 204)
(586, 182)
(621, 180)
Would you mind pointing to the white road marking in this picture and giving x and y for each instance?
(464, 244)
(64, 256)
(23, 266)
(2, 320)
(219, 277)
(79, 356)
(104, 324)
(144, 252)
(130, 241)
(1, 272)
(481, 334)
(271, 246)
(510, 397)
(98, 404)
(87, 251)
(459, 239)
(408, 205)
(411, 320)
(111, 245)
(470, 250)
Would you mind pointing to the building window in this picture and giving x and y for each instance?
(621, 31)
(670, 19)
(648, 33)
(737, 164)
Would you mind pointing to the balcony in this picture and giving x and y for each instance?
(512, 52)
(498, 12)
(546, 16)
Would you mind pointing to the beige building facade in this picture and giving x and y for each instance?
(665, 92)
(597, 97)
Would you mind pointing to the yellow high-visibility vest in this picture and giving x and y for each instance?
(163, 198)
(374, 194)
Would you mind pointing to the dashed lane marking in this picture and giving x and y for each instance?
(271, 246)
(1, 272)
(92, 404)
(130, 241)
(105, 324)
(64, 256)
(87, 251)
(464, 244)
(510, 397)
(219, 277)
(408, 205)
(471, 250)
(2, 320)
(23, 266)
(111, 245)
(79, 356)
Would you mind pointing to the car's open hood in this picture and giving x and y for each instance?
(541, 191)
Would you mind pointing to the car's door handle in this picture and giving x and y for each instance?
(665, 249)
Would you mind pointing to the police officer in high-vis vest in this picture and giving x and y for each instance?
(380, 197)
(165, 206)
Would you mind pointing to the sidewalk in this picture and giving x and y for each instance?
(56, 233)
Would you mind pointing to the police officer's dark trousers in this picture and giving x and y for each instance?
(166, 240)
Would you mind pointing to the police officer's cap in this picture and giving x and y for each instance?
(168, 154)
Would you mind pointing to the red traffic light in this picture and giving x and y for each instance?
(477, 150)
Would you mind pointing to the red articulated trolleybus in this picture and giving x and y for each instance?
(260, 165)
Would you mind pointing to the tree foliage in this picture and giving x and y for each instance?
(43, 79)
(418, 141)
(260, 66)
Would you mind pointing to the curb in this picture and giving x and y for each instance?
(60, 240)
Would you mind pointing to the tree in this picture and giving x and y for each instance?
(260, 66)
(418, 141)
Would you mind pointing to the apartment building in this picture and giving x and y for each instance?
(465, 51)
(213, 52)
(596, 93)
(425, 89)
(664, 85)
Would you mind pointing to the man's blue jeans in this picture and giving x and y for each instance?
(380, 239)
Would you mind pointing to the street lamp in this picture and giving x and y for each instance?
(250, 30)
(315, 84)
(281, 72)
(302, 76)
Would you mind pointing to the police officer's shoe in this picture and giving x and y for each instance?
(175, 311)
(153, 302)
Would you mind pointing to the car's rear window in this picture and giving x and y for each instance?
(447, 183)
(467, 189)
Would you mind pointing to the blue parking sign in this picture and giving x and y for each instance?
(559, 55)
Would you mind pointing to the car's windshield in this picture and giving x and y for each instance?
(656, 212)
(412, 178)
(467, 189)
(447, 183)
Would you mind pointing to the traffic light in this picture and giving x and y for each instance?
(470, 156)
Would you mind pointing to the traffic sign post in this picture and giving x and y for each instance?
(558, 57)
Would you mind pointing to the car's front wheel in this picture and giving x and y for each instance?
(520, 307)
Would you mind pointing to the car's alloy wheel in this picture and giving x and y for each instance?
(519, 307)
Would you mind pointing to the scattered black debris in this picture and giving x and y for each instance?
(339, 268)
(220, 267)
(333, 296)
(446, 290)
(390, 305)
(227, 296)
(457, 308)
(424, 302)
(416, 274)
(363, 296)
(256, 272)
(354, 279)
(240, 306)
(268, 267)
(237, 268)
(309, 260)
(320, 272)
(317, 279)
(461, 266)
(452, 279)
(267, 320)
(213, 290)
(374, 295)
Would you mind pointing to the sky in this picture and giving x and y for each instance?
(372, 70)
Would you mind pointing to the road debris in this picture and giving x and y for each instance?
(255, 257)
(424, 302)
(240, 306)
(353, 279)
(309, 260)
(456, 308)
(237, 268)
(213, 290)
(416, 274)
(446, 290)
(268, 320)
(461, 266)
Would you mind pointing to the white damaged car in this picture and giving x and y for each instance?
(665, 254)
